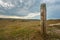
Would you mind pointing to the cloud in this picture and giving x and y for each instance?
(27, 8)
(29, 16)
(28, 3)
(21, 1)
(16, 7)
(53, 7)
(4, 16)
(6, 5)
(53, 12)
(49, 1)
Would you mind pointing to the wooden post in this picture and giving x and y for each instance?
(43, 20)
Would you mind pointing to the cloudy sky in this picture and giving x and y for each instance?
(28, 9)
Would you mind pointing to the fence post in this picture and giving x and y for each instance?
(43, 20)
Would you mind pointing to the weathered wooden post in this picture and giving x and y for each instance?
(43, 20)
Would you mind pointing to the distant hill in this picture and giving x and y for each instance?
(25, 19)
(22, 20)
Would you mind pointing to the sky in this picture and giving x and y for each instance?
(29, 9)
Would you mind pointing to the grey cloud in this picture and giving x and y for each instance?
(29, 16)
(19, 9)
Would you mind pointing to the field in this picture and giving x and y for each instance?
(19, 29)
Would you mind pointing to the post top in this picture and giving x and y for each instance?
(43, 5)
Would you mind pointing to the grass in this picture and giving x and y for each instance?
(53, 30)
(24, 29)
(19, 30)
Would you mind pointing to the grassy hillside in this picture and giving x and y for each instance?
(15, 29)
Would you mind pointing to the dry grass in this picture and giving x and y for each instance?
(22, 29)
(19, 30)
